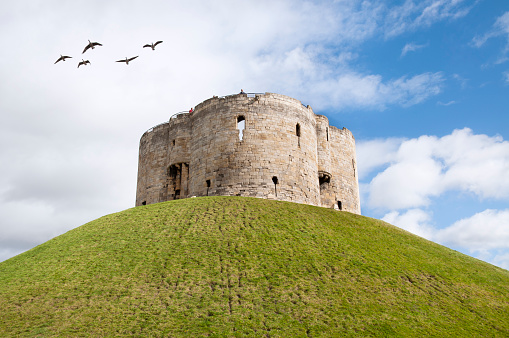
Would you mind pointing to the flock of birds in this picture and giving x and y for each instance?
(92, 45)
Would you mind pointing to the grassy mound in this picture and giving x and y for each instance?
(233, 266)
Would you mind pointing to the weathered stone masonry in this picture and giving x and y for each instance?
(264, 145)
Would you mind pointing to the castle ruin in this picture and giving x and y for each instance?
(259, 145)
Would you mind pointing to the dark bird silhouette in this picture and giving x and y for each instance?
(153, 45)
(91, 45)
(63, 57)
(84, 63)
(127, 60)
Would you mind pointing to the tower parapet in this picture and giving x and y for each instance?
(262, 145)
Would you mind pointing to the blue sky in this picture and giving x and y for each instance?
(423, 86)
(473, 78)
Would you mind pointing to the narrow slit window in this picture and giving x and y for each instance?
(327, 132)
(340, 207)
(353, 165)
(275, 181)
(241, 125)
(208, 186)
(297, 132)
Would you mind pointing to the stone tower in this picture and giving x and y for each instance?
(259, 145)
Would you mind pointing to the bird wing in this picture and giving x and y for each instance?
(121, 61)
(133, 58)
(96, 44)
(84, 63)
(86, 48)
(147, 46)
(62, 58)
(158, 42)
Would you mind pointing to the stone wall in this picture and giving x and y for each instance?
(284, 152)
(152, 165)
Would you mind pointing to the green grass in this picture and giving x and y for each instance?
(233, 266)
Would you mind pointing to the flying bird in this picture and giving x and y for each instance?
(84, 63)
(153, 45)
(127, 60)
(63, 57)
(91, 45)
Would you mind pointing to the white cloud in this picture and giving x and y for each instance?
(487, 230)
(428, 166)
(462, 81)
(441, 9)
(500, 28)
(506, 76)
(410, 180)
(440, 103)
(370, 91)
(376, 153)
(415, 221)
(475, 163)
(412, 15)
(414, 90)
(411, 47)
(501, 260)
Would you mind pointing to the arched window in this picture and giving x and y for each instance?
(241, 125)
(324, 179)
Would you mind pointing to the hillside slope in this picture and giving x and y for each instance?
(233, 266)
